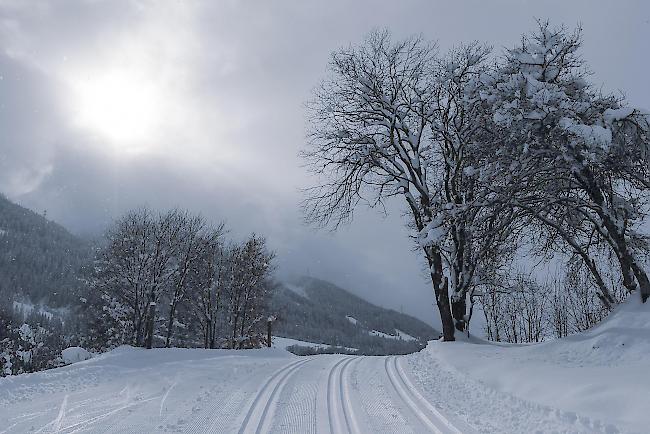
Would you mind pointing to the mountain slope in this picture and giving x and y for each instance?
(39, 259)
(317, 311)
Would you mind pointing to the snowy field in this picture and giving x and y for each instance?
(596, 382)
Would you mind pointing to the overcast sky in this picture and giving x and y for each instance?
(108, 105)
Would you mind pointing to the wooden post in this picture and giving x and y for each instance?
(269, 336)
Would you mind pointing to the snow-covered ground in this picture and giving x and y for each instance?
(398, 336)
(596, 382)
(285, 343)
(27, 308)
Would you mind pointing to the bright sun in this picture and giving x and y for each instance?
(123, 106)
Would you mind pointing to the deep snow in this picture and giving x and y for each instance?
(598, 379)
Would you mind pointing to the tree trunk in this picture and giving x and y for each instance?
(458, 311)
(170, 325)
(441, 291)
(208, 330)
(644, 283)
(150, 324)
(634, 277)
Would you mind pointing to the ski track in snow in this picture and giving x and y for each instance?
(420, 407)
(340, 412)
(257, 418)
(267, 393)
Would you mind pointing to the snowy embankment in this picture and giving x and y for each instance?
(596, 381)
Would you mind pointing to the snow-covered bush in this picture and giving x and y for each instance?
(74, 354)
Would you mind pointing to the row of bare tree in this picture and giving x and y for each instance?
(524, 310)
(167, 274)
(491, 156)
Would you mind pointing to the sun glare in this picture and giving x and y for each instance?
(122, 106)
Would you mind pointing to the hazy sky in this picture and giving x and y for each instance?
(107, 105)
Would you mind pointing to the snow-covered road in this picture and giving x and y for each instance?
(136, 391)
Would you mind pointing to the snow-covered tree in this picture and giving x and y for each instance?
(142, 263)
(579, 158)
(393, 120)
(247, 290)
(198, 243)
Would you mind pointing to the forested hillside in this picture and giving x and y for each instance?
(41, 287)
(317, 311)
(39, 260)
(58, 291)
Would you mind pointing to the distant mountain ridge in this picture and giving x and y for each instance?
(39, 259)
(41, 265)
(318, 311)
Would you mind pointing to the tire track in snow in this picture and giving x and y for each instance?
(426, 412)
(258, 413)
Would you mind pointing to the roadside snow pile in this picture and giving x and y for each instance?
(590, 382)
(75, 354)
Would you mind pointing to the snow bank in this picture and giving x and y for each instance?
(598, 378)
(75, 354)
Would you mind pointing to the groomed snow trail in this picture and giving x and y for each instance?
(251, 392)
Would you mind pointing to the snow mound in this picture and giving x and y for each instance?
(75, 354)
(594, 381)
(622, 338)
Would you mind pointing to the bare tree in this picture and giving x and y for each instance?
(209, 285)
(123, 268)
(148, 258)
(516, 312)
(197, 242)
(394, 121)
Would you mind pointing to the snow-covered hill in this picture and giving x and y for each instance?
(39, 259)
(314, 310)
